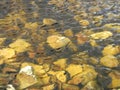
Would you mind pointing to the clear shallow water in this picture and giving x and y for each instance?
(65, 18)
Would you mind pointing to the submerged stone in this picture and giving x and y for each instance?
(77, 17)
(109, 61)
(38, 69)
(27, 70)
(31, 25)
(84, 22)
(115, 26)
(74, 69)
(88, 74)
(110, 50)
(57, 41)
(69, 87)
(25, 80)
(7, 53)
(26, 77)
(92, 85)
(33, 74)
(10, 87)
(49, 87)
(81, 38)
(115, 75)
(61, 76)
(20, 45)
(68, 33)
(101, 35)
(98, 18)
(62, 63)
(49, 21)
